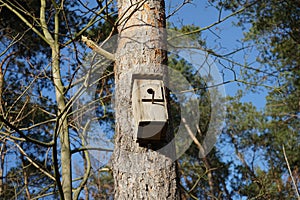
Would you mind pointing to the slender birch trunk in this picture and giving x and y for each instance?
(62, 130)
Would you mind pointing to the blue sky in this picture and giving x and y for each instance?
(225, 34)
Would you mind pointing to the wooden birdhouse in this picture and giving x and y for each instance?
(149, 108)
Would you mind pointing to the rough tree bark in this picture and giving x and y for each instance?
(139, 173)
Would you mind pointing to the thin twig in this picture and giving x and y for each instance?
(178, 8)
(90, 23)
(215, 23)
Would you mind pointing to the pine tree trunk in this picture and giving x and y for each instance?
(139, 172)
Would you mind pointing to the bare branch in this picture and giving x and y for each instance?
(291, 174)
(179, 7)
(91, 44)
(34, 163)
(44, 26)
(38, 124)
(201, 154)
(43, 195)
(217, 22)
(25, 21)
(15, 39)
(88, 166)
(29, 139)
(90, 23)
(195, 140)
(90, 148)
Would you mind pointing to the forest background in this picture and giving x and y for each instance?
(255, 46)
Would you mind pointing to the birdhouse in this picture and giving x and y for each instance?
(149, 108)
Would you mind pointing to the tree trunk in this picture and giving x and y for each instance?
(2, 160)
(62, 128)
(139, 172)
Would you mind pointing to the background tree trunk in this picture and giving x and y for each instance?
(139, 173)
(2, 160)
